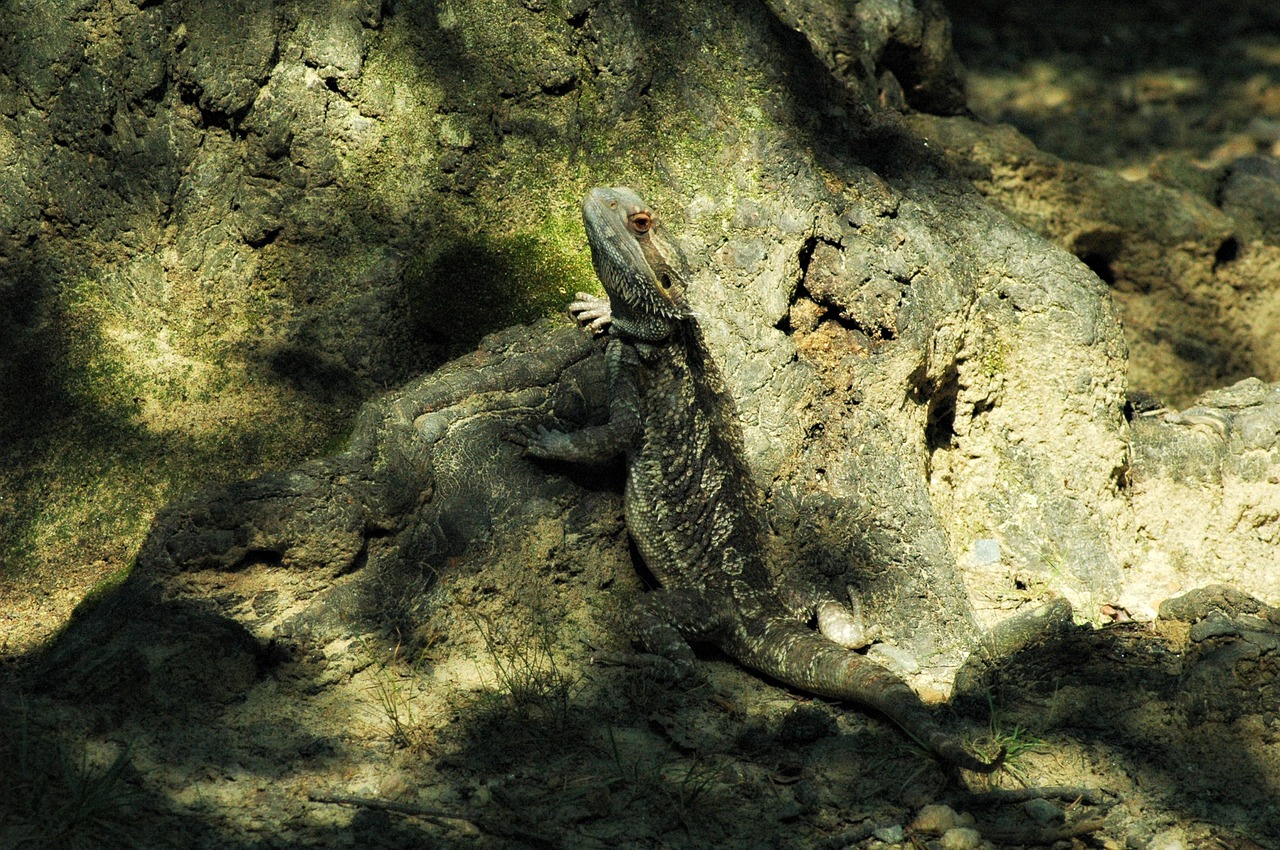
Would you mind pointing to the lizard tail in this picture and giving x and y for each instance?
(806, 660)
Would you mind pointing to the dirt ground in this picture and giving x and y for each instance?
(489, 726)
(1136, 86)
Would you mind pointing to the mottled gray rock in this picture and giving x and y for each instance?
(858, 41)
(1203, 488)
(916, 373)
(1229, 432)
(1187, 265)
(332, 36)
(265, 215)
(428, 475)
(226, 51)
(1250, 193)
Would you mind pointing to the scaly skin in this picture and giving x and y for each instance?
(691, 506)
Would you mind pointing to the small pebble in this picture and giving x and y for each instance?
(1169, 839)
(936, 819)
(890, 834)
(1043, 811)
(961, 838)
(986, 552)
(394, 787)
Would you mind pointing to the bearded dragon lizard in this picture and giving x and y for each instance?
(690, 502)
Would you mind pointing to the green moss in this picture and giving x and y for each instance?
(478, 284)
(83, 493)
(994, 360)
(102, 590)
(124, 420)
(338, 442)
(57, 485)
(94, 371)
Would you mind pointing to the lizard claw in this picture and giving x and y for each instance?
(540, 441)
(591, 312)
(660, 667)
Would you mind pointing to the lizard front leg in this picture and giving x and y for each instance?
(601, 442)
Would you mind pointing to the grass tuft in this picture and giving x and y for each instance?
(528, 674)
(53, 798)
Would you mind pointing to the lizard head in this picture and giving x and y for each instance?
(642, 268)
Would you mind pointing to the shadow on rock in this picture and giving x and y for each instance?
(1173, 712)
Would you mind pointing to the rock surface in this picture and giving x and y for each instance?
(234, 223)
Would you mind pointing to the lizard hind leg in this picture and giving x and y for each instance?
(839, 622)
(844, 624)
(665, 621)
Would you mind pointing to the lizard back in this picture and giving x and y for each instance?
(690, 500)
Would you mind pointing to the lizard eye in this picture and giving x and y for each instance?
(641, 222)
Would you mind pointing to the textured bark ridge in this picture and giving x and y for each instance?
(932, 395)
(229, 227)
